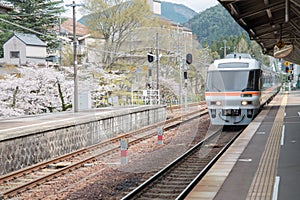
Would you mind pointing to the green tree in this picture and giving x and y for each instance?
(242, 46)
(214, 23)
(256, 52)
(115, 20)
(3, 38)
(38, 15)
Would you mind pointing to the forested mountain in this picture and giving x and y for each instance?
(213, 24)
(176, 12)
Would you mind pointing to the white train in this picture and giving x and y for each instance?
(237, 87)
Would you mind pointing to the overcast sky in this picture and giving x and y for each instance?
(196, 5)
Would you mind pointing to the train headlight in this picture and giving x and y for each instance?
(216, 103)
(245, 103)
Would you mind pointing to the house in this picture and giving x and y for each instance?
(86, 41)
(81, 33)
(22, 49)
(5, 7)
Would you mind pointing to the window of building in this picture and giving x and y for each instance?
(14, 54)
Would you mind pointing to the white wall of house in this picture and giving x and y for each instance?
(17, 52)
(11, 47)
(36, 54)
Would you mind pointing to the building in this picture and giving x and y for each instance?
(5, 7)
(90, 46)
(155, 6)
(84, 40)
(22, 49)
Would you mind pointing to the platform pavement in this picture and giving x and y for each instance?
(288, 171)
(263, 163)
(27, 121)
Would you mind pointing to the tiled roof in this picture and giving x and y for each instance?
(30, 39)
(67, 26)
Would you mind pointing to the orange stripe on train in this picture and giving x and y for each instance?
(230, 93)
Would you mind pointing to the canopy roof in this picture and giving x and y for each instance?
(271, 23)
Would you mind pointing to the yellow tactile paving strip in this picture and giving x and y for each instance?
(211, 183)
(263, 182)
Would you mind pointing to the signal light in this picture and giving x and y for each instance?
(286, 63)
(148, 85)
(189, 58)
(150, 57)
(185, 75)
(287, 69)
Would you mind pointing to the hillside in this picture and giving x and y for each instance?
(213, 24)
(176, 12)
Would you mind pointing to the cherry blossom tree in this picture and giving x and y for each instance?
(35, 90)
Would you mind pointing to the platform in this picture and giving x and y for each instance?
(25, 141)
(263, 163)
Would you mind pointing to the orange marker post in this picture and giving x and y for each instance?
(160, 136)
(124, 151)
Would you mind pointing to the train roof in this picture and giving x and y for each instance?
(239, 55)
(237, 63)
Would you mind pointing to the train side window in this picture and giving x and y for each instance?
(257, 79)
(266, 80)
(260, 81)
(253, 80)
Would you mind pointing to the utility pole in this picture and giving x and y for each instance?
(180, 64)
(60, 42)
(73, 5)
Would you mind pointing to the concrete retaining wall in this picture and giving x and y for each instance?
(60, 135)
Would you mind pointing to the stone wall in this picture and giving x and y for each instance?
(62, 135)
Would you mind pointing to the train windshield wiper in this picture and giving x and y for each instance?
(214, 87)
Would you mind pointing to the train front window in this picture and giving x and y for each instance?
(233, 80)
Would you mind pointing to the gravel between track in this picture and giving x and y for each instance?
(111, 180)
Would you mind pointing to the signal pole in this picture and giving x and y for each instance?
(224, 48)
(157, 68)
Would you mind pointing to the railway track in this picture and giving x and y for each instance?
(22, 180)
(177, 179)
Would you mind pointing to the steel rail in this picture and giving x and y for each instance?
(21, 173)
(166, 169)
(190, 187)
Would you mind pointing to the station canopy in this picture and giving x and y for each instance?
(273, 24)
